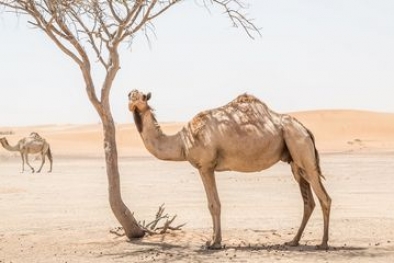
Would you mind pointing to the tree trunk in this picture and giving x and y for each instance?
(120, 210)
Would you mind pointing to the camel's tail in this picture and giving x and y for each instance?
(317, 157)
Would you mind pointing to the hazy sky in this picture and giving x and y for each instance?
(333, 54)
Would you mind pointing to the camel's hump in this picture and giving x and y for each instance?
(241, 103)
(245, 98)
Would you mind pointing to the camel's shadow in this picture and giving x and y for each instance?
(281, 248)
(192, 248)
(167, 246)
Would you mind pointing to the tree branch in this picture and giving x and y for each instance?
(91, 35)
(233, 10)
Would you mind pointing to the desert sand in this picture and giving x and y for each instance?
(64, 216)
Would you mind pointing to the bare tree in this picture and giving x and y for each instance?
(90, 31)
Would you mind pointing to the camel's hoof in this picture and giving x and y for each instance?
(292, 243)
(322, 246)
(213, 246)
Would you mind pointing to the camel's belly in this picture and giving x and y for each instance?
(243, 147)
(248, 158)
(251, 164)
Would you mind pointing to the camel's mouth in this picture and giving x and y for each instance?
(132, 107)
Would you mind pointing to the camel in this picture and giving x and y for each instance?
(245, 136)
(32, 144)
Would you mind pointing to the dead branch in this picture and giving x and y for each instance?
(153, 227)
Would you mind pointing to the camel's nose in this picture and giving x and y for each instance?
(133, 95)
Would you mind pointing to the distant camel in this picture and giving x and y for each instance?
(243, 135)
(32, 144)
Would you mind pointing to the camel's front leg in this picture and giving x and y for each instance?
(23, 162)
(27, 162)
(208, 179)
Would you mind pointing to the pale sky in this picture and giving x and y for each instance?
(313, 54)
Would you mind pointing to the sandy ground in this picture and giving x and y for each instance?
(64, 216)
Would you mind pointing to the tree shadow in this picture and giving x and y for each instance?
(151, 251)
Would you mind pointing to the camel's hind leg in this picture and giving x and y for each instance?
(309, 204)
(307, 178)
(49, 154)
(42, 162)
(305, 163)
(325, 203)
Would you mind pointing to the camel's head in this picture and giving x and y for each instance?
(138, 101)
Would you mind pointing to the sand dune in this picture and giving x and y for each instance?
(334, 130)
(339, 130)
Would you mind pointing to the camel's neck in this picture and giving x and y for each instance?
(162, 146)
(8, 147)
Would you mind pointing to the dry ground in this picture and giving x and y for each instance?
(64, 216)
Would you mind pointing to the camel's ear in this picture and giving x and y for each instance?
(148, 96)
